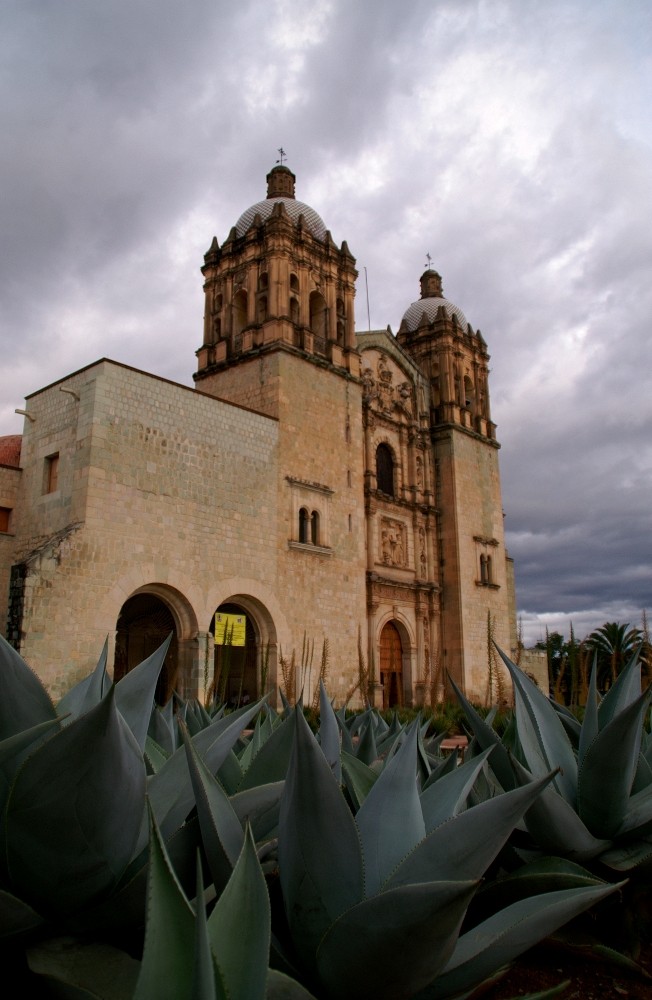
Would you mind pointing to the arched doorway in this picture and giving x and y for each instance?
(144, 622)
(391, 666)
(235, 677)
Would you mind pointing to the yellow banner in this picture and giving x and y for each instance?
(230, 630)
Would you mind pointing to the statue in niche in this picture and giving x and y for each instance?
(423, 561)
(393, 543)
(419, 472)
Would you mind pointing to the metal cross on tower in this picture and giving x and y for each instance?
(428, 261)
(282, 155)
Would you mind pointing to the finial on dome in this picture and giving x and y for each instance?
(431, 286)
(280, 179)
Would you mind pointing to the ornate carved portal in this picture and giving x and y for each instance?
(391, 666)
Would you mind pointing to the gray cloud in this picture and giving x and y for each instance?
(507, 138)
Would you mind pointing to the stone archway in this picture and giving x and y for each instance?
(244, 672)
(145, 621)
(391, 665)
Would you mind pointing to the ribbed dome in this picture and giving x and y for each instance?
(412, 315)
(294, 209)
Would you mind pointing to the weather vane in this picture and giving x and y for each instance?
(282, 154)
(428, 261)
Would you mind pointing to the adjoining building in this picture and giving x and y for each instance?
(336, 494)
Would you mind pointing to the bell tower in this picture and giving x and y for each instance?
(278, 282)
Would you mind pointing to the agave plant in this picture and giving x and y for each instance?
(599, 805)
(375, 901)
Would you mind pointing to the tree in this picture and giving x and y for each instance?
(613, 644)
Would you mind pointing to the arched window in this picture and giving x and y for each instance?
(261, 314)
(314, 527)
(240, 311)
(318, 314)
(303, 525)
(385, 469)
(263, 282)
(469, 394)
(294, 310)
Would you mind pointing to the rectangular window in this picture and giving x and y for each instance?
(51, 474)
(5, 514)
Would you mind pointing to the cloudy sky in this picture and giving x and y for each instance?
(509, 139)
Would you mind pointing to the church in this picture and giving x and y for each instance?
(321, 503)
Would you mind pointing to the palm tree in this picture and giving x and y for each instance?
(613, 644)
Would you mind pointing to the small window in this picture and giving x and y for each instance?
(294, 283)
(303, 525)
(5, 516)
(51, 474)
(263, 282)
(385, 470)
(314, 527)
(486, 571)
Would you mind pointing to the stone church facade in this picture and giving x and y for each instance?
(338, 493)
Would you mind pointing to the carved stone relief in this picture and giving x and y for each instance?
(380, 389)
(393, 542)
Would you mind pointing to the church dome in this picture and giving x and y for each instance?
(280, 188)
(430, 302)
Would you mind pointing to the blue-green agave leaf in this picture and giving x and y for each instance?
(590, 724)
(639, 813)
(170, 789)
(345, 736)
(260, 807)
(507, 934)
(607, 773)
(16, 916)
(230, 773)
(329, 733)
(155, 756)
(466, 844)
(320, 857)
(135, 692)
(542, 736)
(487, 737)
(271, 762)
(239, 928)
(625, 690)
(390, 820)
(24, 702)
(357, 956)
(167, 966)
(88, 692)
(74, 812)
(556, 827)
(73, 968)
(15, 749)
(282, 987)
(221, 831)
(367, 751)
(631, 854)
(440, 768)
(447, 797)
(543, 875)
(207, 982)
(359, 778)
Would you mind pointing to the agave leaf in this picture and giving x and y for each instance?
(507, 934)
(74, 968)
(167, 966)
(155, 756)
(590, 724)
(13, 751)
(260, 807)
(230, 773)
(466, 844)
(135, 692)
(607, 773)
(544, 875)
(390, 820)
(440, 769)
(221, 831)
(24, 702)
(345, 736)
(191, 720)
(625, 690)
(282, 987)
(357, 956)
(271, 762)
(367, 751)
(358, 778)
(638, 813)
(544, 740)
(329, 733)
(239, 928)
(16, 916)
(556, 827)
(74, 812)
(320, 858)
(207, 982)
(632, 854)
(447, 797)
(88, 692)
(487, 737)
(170, 789)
